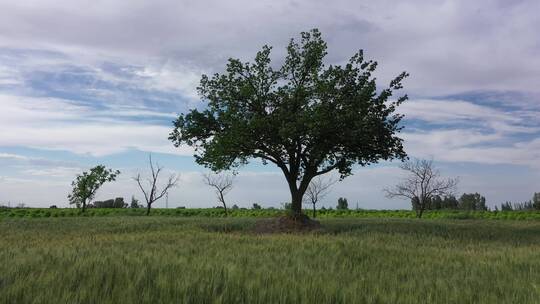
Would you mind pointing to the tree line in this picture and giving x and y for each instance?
(153, 187)
(477, 202)
(423, 186)
(467, 201)
(533, 204)
(427, 190)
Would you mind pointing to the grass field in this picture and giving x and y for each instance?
(159, 259)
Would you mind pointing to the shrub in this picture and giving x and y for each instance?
(111, 203)
(342, 204)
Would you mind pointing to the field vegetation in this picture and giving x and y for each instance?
(159, 259)
(258, 213)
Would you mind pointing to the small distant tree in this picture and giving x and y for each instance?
(506, 206)
(87, 184)
(436, 202)
(235, 207)
(525, 206)
(99, 204)
(152, 191)
(119, 203)
(472, 201)
(536, 201)
(317, 190)
(450, 202)
(111, 203)
(422, 183)
(134, 203)
(342, 204)
(222, 184)
(256, 206)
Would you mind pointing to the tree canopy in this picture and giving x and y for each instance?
(305, 117)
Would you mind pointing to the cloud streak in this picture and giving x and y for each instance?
(56, 124)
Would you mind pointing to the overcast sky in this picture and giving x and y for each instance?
(90, 82)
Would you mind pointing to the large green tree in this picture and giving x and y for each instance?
(305, 117)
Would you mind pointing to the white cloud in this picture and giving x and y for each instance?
(13, 156)
(18, 110)
(169, 77)
(472, 146)
(452, 112)
(54, 172)
(55, 124)
(472, 133)
(9, 76)
(446, 139)
(94, 139)
(447, 46)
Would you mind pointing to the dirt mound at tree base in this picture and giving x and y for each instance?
(287, 224)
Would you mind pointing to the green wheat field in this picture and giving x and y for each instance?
(160, 259)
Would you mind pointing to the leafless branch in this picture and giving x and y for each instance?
(318, 188)
(222, 184)
(151, 190)
(422, 183)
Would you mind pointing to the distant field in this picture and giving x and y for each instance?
(159, 259)
(214, 212)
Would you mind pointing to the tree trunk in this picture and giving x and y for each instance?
(148, 209)
(419, 212)
(296, 203)
(83, 206)
(223, 202)
(297, 193)
(314, 210)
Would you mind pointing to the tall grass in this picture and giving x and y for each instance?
(214, 260)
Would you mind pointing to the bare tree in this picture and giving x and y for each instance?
(222, 183)
(422, 183)
(318, 188)
(152, 191)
